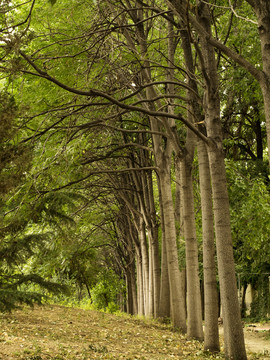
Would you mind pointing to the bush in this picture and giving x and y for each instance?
(104, 293)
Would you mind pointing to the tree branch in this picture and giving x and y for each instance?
(180, 8)
(98, 93)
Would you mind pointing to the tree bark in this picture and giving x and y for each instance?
(145, 266)
(194, 308)
(176, 288)
(140, 300)
(164, 303)
(233, 331)
(194, 311)
(211, 335)
(262, 10)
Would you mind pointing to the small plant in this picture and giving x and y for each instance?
(99, 349)
(34, 357)
(112, 307)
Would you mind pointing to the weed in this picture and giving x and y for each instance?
(100, 349)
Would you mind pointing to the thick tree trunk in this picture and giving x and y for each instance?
(211, 336)
(262, 10)
(233, 331)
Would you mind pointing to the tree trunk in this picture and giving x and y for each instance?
(132, 307)
(176, 288)
(164, 300)
(139, 272)
(233, 331)
(194, 310)
(145, 266)
(154, 244)
(262, 10)
(211, 336)
(151, 280)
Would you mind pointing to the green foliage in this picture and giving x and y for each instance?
(106, 290)
(10, 299)
(250, 214)
(260, 307)
(15, 157)
(14, 291)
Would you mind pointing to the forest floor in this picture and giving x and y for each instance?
(61, 333)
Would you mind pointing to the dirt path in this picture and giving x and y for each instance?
(59, 333)
(257, 339)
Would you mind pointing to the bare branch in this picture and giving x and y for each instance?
(97, 172)
(24, 21)
(180, 8)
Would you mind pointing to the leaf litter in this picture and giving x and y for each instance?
(63, 333)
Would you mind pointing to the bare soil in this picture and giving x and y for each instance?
(257, 338)
(61, 333)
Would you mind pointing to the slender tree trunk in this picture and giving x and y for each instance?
(156, 270)
(145, 266)
(179, 211)
(154, 244)
(194, 310)
(177, 297)
(134, 292)
(211, 336)
(132, 307)
(139, 272)
(129, 294)
(243, 302)
(164, 301)
(151, 280)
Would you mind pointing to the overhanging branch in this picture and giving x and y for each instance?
(119, 103)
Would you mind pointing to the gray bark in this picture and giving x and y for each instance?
(233, 332)
(211, 335)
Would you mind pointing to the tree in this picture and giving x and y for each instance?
(99, 125)
(233, 333)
